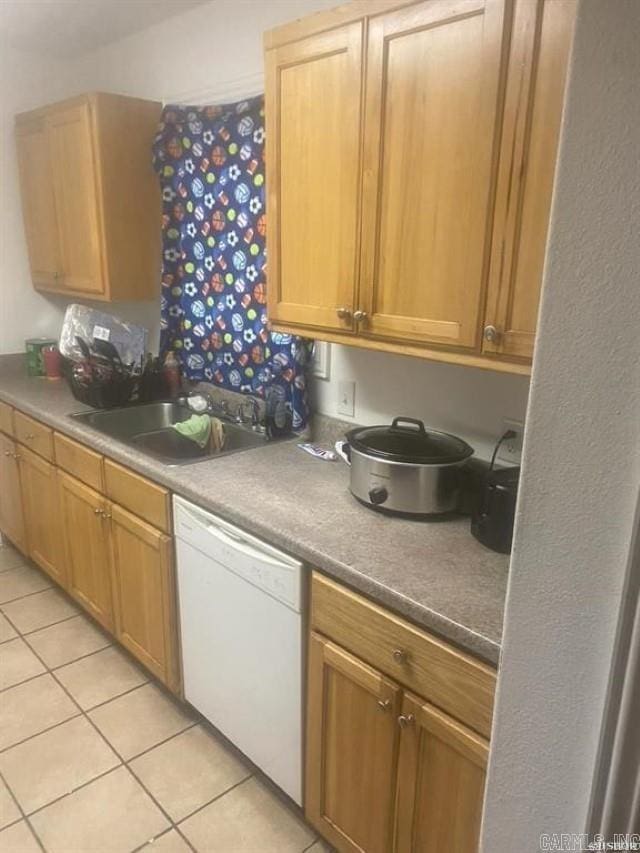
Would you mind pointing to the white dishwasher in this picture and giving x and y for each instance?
(240, 603)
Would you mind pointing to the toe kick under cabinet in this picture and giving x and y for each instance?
(98, 530)
(410, 165)
(397, 731)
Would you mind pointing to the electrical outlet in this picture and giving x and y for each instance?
(346, 398)
(511, 450)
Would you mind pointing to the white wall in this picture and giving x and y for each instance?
(25, 81)
(466, 401)
(208, 50)
(581, 455)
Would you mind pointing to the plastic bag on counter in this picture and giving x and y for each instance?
(90, 323)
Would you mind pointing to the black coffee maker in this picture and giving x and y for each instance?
(494, 511)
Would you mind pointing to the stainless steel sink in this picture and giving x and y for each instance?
(148, 428)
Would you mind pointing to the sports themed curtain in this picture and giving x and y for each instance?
(210, 161)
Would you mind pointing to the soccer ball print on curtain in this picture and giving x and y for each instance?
(210, 161)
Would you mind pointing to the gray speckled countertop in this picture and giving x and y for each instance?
(434, 573)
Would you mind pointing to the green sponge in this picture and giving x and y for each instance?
(197, 428)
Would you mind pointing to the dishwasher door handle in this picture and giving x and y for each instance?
(243, 547)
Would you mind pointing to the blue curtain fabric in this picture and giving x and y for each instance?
(210, 161)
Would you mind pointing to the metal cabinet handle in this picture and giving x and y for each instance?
(400, 655)
(344, 313)
(8, 453)
(98, 511)
(106, 515)
(384, 704)
(16, 456)
(30, 436)
(405, 720)
(491, 334)
(360, 316)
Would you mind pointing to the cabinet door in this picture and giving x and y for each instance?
(144, 598)
(313, 177)
(42, 513)
(441, 775)
(533, 110)
(352, 741)
(75, 189)
(38, 208)
(11, 512)
(86, 543)
(432, 85)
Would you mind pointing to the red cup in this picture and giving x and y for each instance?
(52, 363)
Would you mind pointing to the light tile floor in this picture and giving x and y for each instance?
(96, 758)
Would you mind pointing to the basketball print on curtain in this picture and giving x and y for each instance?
(210, 161)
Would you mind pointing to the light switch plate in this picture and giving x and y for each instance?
(346, 398)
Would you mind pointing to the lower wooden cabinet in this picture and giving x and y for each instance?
(352, 742)
(41, 503)
(440, 783)
(11, 510)
(386, 771)
(116, 564)
(143, 594)
(86, 547)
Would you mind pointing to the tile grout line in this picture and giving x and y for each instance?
(25, 594)
(24, 681)
(75, 660)
(24, 634)
(23, 813)
(73, 790)
(161, 742)
(42, 732)
(213, 799)
(19, 565)
(15, 800)
(53, 624)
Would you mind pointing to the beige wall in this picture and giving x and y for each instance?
(581, 468)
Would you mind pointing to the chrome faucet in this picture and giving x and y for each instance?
(254, 416)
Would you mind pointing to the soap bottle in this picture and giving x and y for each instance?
(171, 373)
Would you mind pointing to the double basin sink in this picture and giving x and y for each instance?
(149, 428)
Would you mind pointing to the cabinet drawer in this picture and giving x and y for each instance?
(33, 435)
(6, 419)
(135, 493)
(452, 680)
(78, 460)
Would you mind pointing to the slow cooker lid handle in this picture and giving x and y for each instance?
(396, 424)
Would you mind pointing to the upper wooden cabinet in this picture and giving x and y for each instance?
(533, 110)
(432, 78)
(313, 127)
(76, 200)
(38, 203)
(410, 167)
(90, 197)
